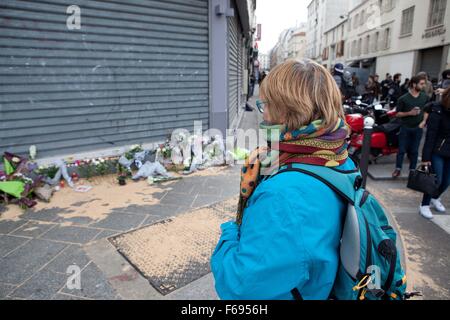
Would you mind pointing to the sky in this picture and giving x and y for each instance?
(277, 15)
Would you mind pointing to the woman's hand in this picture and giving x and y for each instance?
(422, 125)
(426, 163)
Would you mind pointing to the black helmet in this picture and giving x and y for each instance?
(446, 74)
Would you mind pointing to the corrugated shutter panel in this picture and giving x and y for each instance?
(431, 62)
(135, 71)
(233, 67)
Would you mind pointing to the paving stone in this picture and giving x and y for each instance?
(106, 234)
(93, 285)
(140, 209)
(206, 190)
(178, 199)
(71, 234)
(163, 210)
(62, 296)
(5, 289)
(33, 229)
(42, 286)
(49, 215)
(26, 260)
(9, 243)
(7, 226)
(72, 255)
(184, 187)
(120, 221)
(151, 220)
(202, 200)
(78, 221)
(230, 190)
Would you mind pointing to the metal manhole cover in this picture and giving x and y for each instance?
(176, 251)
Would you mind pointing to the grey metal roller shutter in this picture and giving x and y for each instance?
(233, 66)
(135, 71)
(431, 62)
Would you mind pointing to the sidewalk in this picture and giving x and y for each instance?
(37, 246)
(426, 243)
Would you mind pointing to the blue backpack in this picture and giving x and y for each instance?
(370, 264)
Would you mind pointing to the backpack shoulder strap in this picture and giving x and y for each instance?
(344, 183)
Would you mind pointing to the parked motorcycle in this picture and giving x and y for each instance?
(386, 128)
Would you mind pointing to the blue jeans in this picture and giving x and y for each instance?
(408, 142)
(440, 166)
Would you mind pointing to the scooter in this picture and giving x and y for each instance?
(384, 140)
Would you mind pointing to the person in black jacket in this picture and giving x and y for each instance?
(436, 152)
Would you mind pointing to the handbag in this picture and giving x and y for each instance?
(424, 180)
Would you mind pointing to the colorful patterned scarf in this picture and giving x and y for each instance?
(313, 144)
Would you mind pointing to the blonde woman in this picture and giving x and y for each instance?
(285, 242)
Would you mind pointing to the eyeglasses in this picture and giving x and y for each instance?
(260, 104)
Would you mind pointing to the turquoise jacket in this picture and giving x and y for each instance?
(289, 238)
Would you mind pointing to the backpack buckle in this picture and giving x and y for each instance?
(358, 183)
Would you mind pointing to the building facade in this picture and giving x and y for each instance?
(297, 43)
(264, 61)
(85, 76)
(390, 36)
(322, 15)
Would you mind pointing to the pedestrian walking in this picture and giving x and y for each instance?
(443, 84)
(372, 90)
(410, 111)
(436, 152)
(252, 85)
(405, 87)
(385, 86)
(376, 79)
(428, 89)
(395, 92)
(290, 235)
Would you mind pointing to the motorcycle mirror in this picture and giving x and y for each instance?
(358, 102)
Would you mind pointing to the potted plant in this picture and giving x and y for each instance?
(122, 179)
(123, 174)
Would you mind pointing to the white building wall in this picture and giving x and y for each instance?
(396, 63)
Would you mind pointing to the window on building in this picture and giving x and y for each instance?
(387, 38)
(359, 47)
(407, 21)
(436, 12)
(366, 45)
(362, 17)
(356, 22)
(387, 5)
(376, 41)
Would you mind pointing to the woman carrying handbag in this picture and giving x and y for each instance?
(436, 153)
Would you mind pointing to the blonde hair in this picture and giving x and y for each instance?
(300, 92)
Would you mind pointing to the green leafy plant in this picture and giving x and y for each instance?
(134, 149)
(47, 171)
